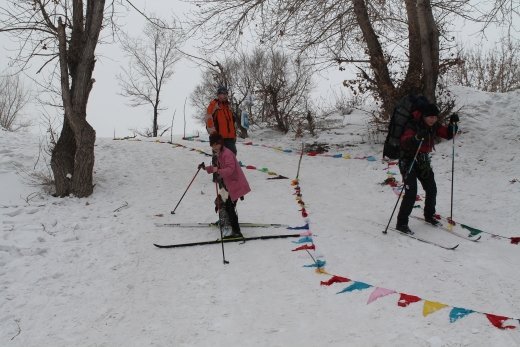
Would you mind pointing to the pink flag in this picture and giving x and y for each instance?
(378, 293)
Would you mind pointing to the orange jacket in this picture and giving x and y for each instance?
(220, 120)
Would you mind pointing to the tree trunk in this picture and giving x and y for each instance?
(62, 161)
(72, 160)
(385, 87)
(429, 36)
(155, 115)
(413, 80)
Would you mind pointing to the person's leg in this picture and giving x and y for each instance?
(427, 180)
(410, 192)
(233, 217)
(231, 145)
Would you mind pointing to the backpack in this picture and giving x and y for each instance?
(400, 117)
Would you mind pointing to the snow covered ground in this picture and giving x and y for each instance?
(84, 272)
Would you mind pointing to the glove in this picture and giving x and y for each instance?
(211, 169)
(201, 166)
(421, 134)
(454, 118)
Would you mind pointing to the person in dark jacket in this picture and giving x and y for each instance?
(421, 130)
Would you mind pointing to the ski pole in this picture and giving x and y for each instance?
(404, 179)
(220, 226)
(450, 220)
(173, 212)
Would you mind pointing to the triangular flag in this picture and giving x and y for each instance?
(431, 306)
(303, 240)
(304, 247)
(318, 263)
(515, 240)
(334, 279)
(459, 312)
(355, 286)
(378, 293)
(407, 299)
(307, 233)
(472, 231)
(498, 321)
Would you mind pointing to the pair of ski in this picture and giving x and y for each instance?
(228, 239)
(442, 227)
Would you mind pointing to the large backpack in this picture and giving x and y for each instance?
(401, 116)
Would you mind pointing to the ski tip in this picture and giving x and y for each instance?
(454, 247)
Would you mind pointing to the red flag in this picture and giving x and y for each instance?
(407, 299)
(334, 279)
(515, 240)
(304, 247)
(498, 321)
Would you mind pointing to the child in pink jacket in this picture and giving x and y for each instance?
(234, 180)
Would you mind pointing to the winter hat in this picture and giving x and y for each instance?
(215, 138)
(222, 90)
(430, 110)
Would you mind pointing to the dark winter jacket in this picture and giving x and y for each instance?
(409, 141)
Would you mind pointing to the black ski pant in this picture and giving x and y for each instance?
(423, 172)
(232, 215)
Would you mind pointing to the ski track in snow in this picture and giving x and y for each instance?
(84, 272)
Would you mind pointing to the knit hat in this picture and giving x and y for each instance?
(215, 138)
(222, 90)
(430, 110)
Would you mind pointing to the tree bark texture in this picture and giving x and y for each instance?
(378, 62)
(72, 160)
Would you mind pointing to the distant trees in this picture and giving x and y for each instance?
(151, 65)
(495, 70)
(271, 86)
(396, 46)
(13, 98)
(65, 32)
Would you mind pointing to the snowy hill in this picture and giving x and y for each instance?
(84, 272)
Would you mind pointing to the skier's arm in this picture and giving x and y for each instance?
(212, 108)
(446, 132)
(227, 165)
(408, 140)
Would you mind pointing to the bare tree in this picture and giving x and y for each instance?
(13, 98)
(151, 65)
(280, 86)
(496, 70)
(396, 45)
(66, 31)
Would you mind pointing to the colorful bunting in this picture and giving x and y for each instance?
(355, 286)
(498, 321)
(431, 306)
(459, 312)
(407, 299)
(472, 231)
(303, 240)
(334, 279)
(304, 247)
(318, 263)
(379, 293)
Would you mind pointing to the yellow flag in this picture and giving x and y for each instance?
(431, 306)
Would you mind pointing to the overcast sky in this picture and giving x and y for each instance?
(109, 112)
